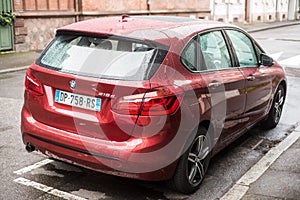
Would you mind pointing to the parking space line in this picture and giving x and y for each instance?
(32, 167)
(243, 184)
(47, 189)
(14, 69)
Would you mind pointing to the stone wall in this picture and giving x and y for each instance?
(187, 8)
(179, 4)
(33, 34)
(192, 8)
(37, 20)
(43, 5)
(113, 5)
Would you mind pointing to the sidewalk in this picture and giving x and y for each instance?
(18, 61)
(282, 178)
(251, 28)
(275, 176)
(11, 61)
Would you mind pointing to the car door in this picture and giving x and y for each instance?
(258, 81)
(224, 83)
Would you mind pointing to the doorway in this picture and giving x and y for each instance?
(6, 31)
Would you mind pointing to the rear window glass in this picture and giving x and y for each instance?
(103, 57)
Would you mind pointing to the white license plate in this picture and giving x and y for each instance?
(77, 100)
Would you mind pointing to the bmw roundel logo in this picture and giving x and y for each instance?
(72, 84)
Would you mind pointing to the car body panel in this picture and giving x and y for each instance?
(103, 124)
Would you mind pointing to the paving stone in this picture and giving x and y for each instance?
(260, 197)
(13, 60)
(296, 144)
(279, 184)
(288, 161)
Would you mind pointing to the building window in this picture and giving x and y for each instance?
(258, 18)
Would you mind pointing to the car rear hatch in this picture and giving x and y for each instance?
(78, 79)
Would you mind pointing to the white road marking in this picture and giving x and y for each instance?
(276, 56)
(291, 62)
(47, 189)
(271, 39)
(14, 69)
(243, 184)
(32, 167)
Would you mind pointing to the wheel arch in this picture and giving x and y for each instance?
(209, 126)
(284, 84)
(205, 124)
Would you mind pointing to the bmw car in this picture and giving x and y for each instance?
(149, 97)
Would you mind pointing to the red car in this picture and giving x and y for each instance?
(149, 97)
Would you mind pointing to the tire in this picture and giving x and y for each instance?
(276, 109)
(192, 165)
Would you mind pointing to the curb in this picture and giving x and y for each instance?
(241, 187)
(4, 71)
(271, 27)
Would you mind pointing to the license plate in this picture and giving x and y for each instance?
(77, 100)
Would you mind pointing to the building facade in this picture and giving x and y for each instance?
(37, 20)
(253, 11)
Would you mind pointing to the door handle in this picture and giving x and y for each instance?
(214, 84)
(251, 78)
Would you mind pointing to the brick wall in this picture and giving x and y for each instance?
(37, 20)
(37, 32)
(188, 8)
(180, 4)
(196, 8)
(113, 5)
(43, 5)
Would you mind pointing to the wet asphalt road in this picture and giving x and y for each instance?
(225, 169)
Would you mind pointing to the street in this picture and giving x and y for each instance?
(51, 179)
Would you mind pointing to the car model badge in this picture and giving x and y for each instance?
(72, 84)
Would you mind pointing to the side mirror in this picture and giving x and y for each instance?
(266, 60)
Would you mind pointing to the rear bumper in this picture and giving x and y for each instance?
(117, 158)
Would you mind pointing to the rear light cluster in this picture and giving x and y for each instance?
(32, 84)
(158, 101)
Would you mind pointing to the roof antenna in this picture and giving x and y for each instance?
(125, 18)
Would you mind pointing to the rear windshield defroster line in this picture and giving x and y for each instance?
(103, 56)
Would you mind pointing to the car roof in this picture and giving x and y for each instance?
(154, 28)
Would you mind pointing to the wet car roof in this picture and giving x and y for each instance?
(153, 28)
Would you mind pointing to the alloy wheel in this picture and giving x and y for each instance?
(278, 105)
(196, 160)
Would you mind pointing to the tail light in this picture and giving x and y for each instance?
(32, 84)
(158, 101)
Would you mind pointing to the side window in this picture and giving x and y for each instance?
(215, 51)
(243, 48)
(188, 56)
